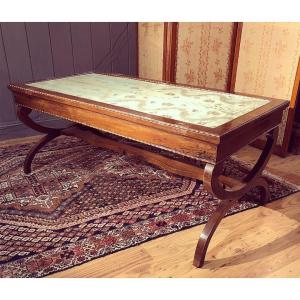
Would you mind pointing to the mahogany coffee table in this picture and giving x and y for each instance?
(202, 124)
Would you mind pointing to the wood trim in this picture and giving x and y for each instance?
(166, 54)
(291, 113)
(169, 51)
(295, 87)
(137, 51)
(232, 55)
(235, 55)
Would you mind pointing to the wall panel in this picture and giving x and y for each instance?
(36, 51)
(38, 38)
(204, 54)
(267, 62)
(61, 44)
(40, 50)
(101, 44)
(119, 47)
(82, 47)
(17, 54)
(132, 46)
(150, 50)
(17, 51)
(7, 108)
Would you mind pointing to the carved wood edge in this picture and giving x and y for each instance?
(230, 196)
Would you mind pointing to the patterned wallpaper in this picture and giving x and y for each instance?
(151, 37)
(203, 54)
(268, 59)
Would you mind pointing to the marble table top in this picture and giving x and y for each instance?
(191, 105)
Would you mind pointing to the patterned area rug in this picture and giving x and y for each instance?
(82, 202)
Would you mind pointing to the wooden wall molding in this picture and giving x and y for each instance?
(170, 51)
(291, 113)
(235, 50)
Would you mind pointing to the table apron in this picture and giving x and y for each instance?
(176, 143)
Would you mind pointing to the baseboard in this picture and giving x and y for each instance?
(18, 130)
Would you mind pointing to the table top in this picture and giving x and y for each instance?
(185, 104)
(204, 124)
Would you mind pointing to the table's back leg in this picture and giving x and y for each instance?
(231, 196)
(33, 151)
(51, 133)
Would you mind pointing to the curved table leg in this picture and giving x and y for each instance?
(232, 195)
(33, 151)
(23, 115)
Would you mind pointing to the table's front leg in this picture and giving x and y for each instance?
(230, 196)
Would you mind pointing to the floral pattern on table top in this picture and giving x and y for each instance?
(190, 105)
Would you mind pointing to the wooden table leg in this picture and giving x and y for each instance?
(51, 133)
(230, 196)
(33, 151)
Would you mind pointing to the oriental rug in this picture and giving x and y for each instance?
(83, 202)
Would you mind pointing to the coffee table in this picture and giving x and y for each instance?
(205, 125)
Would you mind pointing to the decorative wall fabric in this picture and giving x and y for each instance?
(268, 59)
(203, 54)
(150, 39)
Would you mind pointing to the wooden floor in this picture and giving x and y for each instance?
(261, 242)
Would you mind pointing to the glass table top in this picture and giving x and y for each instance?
(191, 105)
